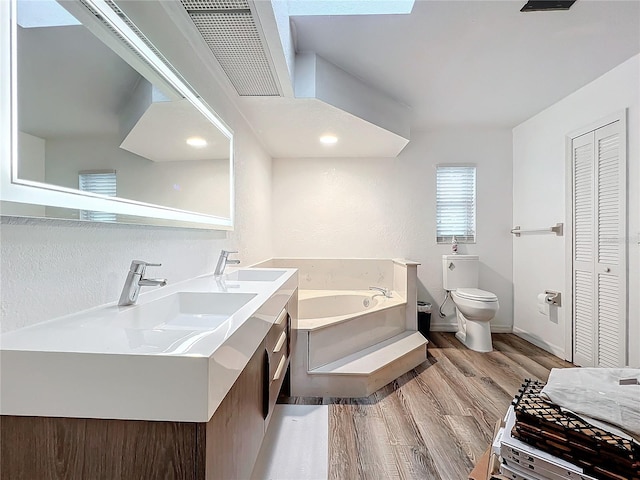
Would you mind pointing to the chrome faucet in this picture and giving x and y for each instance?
(135, 280)
(383, 291)
(223, 261)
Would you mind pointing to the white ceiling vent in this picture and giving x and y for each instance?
(231, 32)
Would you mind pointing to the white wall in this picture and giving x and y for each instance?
(539, 186)
(385, 208)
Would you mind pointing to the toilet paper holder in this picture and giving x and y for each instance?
(553, 298)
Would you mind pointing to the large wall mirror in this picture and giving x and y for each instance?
(101, 126)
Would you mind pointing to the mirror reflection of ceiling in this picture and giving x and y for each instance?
(171, 124)
(60, 100)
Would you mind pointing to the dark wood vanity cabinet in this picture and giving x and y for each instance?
(46, 448)
(234, 434)
(225, 448)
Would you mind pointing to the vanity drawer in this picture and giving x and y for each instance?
(277, 350)
(277, 379)
(277, 360)
(275, 333)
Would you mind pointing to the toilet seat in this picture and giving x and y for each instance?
(476, 294)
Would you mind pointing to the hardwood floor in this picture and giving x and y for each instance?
(435, 421)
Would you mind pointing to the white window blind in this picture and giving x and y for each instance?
(456, 203)
(102, 182)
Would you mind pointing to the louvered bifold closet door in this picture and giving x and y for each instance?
(584, 319)
(610, 268)
(599, 249)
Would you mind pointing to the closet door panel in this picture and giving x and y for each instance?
(610, 262)
(584, 321)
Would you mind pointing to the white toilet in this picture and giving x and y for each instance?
(474, 307)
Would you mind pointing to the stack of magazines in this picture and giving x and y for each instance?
(541, 440)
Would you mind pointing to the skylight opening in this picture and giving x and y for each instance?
(349, 7)
(43, 13)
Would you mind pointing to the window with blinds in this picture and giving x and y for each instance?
(456, 203)
(102, 182)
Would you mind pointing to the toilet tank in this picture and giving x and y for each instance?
(460, 271)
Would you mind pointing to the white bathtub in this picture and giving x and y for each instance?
(321, 308)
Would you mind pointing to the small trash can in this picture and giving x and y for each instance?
(424, 317)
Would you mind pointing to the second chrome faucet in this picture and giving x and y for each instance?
(223, 261)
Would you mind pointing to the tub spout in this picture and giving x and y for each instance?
(383, 291)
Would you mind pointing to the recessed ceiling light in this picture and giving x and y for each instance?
(196, 142)
(328, 139)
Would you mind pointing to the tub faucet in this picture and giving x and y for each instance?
(383, 291)
(223, 261)
(135, 280)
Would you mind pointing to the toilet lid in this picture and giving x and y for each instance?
(476, 294)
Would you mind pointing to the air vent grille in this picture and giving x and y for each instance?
(547, 5)
(230, 31)
(215, 5)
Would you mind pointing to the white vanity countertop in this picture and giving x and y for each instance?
(146, 361)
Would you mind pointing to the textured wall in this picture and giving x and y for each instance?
(385, 208)
(539, 183)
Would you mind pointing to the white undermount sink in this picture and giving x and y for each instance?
(184, 311)
(251, 275)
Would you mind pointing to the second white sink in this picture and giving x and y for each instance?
(254, 275)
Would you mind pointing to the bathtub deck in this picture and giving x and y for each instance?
(435, 421)
(312, 324)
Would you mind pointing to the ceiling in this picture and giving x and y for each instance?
(58, 95)
(474, 63)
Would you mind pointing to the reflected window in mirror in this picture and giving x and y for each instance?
(101, 182)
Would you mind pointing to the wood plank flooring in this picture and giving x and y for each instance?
(435, 421)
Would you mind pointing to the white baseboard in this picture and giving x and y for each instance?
(557, 351)
(443, 327)
(501, 329)
(453, 327)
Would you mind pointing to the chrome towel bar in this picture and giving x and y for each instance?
(558, 229)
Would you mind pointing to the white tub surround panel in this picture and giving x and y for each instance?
(338, 273)
(110, 363)
(386, 207)
(540, 200)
